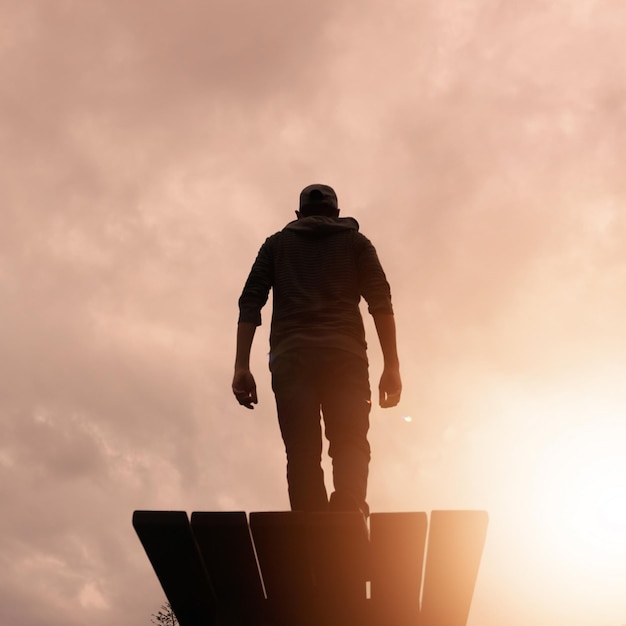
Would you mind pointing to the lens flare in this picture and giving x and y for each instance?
(581, 490)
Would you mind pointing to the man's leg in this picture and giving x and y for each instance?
(298, 406)
(346, 404)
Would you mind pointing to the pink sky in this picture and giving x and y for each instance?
(149, 147)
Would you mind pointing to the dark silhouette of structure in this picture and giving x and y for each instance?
(314, 569)
(319, 564)
(318, 268)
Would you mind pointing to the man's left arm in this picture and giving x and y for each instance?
(252, 300)
(244, 386)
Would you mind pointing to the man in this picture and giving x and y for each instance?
(318, 267)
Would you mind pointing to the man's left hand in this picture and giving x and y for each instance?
(244, 388)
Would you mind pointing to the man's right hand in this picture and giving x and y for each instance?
(244, 388)
(390, 387)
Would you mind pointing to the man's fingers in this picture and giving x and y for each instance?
(246, 401)
(246, 398)
(389, 399)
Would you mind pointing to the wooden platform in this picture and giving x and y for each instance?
(315, 569)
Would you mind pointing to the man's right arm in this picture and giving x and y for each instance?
(376, 291)
(390, 386)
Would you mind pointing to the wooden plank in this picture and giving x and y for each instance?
(172, 551)
(455, 545)
(281, 545)
(226, 547)
(339, 555)
(398, 543)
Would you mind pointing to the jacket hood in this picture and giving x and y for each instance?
(320, 225)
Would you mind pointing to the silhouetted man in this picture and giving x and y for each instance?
(318, 267)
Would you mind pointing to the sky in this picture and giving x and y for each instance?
(147, 150)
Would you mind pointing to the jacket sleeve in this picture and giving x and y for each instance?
(372, 280)
(257, 287)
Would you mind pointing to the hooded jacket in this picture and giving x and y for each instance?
(318, 269)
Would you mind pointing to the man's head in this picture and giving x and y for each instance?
(318, 200)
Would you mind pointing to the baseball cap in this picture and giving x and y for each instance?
(317, 194)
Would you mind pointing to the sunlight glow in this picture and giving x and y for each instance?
(580, 495)
(557, 497)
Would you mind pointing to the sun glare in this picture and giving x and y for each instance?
(580, 496)
(558, 513)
